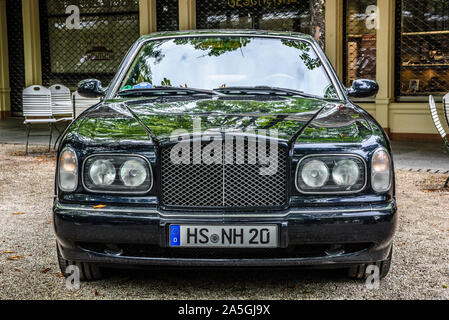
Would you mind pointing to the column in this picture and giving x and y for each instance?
(334, 34)
(385, 60)
(5, 106)
(187, 14)
(147, 16)
(32, 42)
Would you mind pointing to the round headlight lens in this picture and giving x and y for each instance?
(346, 173)
(133, 173)
(102, 172)
(315, 173)
(68, 170)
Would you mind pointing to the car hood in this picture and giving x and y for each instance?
(162, 119)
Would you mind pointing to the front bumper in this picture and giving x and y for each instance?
(307, 236)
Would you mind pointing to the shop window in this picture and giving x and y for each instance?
(167, 15)
(360, 40)
(92, 48)
(306, 16)
(422, 42)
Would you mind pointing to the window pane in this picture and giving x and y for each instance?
(167, 15)
(306, 16)
(95, 48)
(360, 51)
(423, 59)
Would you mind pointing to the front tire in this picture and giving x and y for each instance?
(88, 271)
(358, 271)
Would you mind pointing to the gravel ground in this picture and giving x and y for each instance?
(28, 268)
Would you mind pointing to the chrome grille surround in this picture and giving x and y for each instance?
(226, 185)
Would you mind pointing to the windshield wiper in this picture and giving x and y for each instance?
(161, 90)
(265, 90)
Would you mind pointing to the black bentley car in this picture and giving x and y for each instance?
(225, 148)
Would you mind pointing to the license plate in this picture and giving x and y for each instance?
(227, 236)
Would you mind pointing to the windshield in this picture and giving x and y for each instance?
(227, 61)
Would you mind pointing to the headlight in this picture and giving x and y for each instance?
(380, 171)
(315, 173)
(68, 170)
(117, 174)
(102, 172)
(348, 174)
(133, 173)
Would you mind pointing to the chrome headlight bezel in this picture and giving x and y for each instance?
(337, 157)
(118, 186)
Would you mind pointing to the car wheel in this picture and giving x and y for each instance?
(88, 271)
(358, 271)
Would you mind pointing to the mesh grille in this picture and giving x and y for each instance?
(106, 31)
(422, 41)
(238, 184)
(281, 15)
(360, 34)
(15, 53)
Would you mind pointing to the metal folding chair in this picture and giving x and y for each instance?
(440, 129)
(446, 108)
(81, 104)
(61, 103)
(61, 106)
(37, 109)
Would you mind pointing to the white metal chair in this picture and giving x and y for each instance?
(446, 108)
(61, 103)
(81, 104)
(37, 109)
(440, 129)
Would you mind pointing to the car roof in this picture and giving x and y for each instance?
(227, 32)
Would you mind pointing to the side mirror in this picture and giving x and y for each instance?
(91, 88)
(363, 88)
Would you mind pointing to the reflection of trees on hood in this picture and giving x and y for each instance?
(216, 46)
(163, 118)
(141, 72)
(311, 63)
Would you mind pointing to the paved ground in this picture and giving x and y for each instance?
(14, 131)
(421, 156)
(28, 268)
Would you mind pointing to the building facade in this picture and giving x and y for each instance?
(399, 43)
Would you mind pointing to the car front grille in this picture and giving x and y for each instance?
(238, 184)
